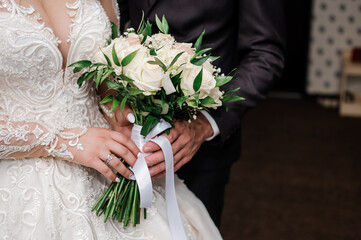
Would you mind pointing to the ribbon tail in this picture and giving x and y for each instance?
(141, 173)
(174, 217)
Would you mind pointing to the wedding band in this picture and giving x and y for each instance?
(109, 158)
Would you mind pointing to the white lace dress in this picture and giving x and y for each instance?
(48, 198)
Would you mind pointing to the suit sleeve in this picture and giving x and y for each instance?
(261, 51)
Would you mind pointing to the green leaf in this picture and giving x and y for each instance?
(129, 58)
(159, 23)
(115, 56)
(141, 24)
(77, 69)
(106, 74)
(198, 81)
(214, 58)
(199, 53)
(159, 63)
(181, 101)
(135, 91)
(114, 31)
(200, 61)
(114, 85)
(125, 78)
(115, 104)
(207, 101)
(149, 124)
(175, 59)
(231, 98)
(198, 44)
(81, 79)
(107, 99)
(152, 52)
(221, 80)
(232, 90)
(99, 75)
(81, 64)
(122, 105)
(98, 65)
(108, 60)
(165, 25)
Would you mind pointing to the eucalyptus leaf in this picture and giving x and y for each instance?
(107, 99)
(129, 58)
(114, 31)
(152, 52)
(149, 124)
(232, 90)
(221, 80)
(106, 74)
(199, 53)
(77, 69)
(161, 64)
(231, 98)
(175, 59)
(99, 75)
(200, 61)
(165, 25)
(159, 23)
(141, 25)
(207, 101)
(125, 78)
(108, 60)
(97, 65)
(115, 56)
(214, 58)
(198, 44)
(198, 81)
(81, 79)
(81, 64)
(115, 104)
(122, 105)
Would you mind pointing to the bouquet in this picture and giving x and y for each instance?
(160, 79)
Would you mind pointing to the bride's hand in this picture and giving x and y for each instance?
(98, 144)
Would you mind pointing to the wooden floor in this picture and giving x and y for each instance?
(299, 176)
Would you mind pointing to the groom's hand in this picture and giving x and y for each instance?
(186, 138)
(121, 122)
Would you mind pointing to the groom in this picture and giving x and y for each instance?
(248, 35)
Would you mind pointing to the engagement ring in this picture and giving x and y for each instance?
(109, 158)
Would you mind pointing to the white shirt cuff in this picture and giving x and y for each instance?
(213, 123)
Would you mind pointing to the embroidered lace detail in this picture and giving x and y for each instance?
(23, 137)
(44, 113)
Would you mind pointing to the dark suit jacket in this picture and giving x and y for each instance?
(248, 35)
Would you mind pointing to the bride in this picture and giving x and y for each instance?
(55, 145)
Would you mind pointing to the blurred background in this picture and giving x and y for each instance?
(299, 176)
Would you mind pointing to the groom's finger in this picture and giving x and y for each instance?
(152, 147)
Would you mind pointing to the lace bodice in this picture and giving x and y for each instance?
(39, 100)
(41, 106)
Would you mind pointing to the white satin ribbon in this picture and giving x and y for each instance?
(141, 173)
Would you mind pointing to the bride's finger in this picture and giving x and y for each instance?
(101, 167)
(118, 166)
(155, 158)
(125, 141)
(123, 152)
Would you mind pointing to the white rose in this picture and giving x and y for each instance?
(147, 77)
(188, 76)
(133, 39)
(186, 47)
(216, 94)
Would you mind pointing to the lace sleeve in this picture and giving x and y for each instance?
(21, 139)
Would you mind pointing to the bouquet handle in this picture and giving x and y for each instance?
(143, 179)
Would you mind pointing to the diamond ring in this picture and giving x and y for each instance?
(109, 158)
